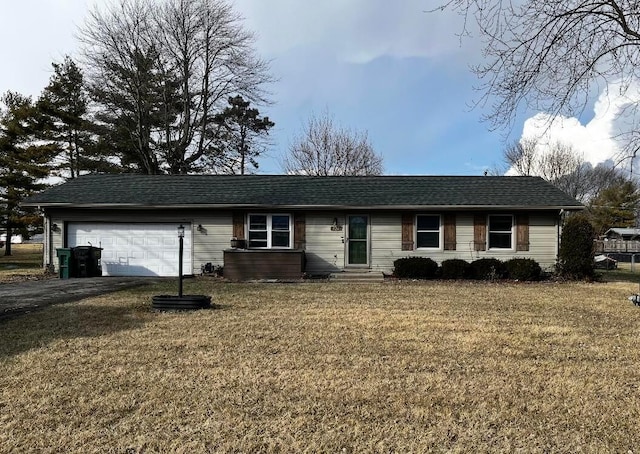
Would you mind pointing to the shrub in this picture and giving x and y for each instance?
(455, 269)
(575, 257)
(523, 269)
(415, 268)
(488, 269)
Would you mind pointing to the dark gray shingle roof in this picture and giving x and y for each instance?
(305, 191)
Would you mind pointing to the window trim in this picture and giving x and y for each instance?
(440, 233)
(511, 232)
(269, 230)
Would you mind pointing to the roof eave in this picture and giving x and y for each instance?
(412, 207)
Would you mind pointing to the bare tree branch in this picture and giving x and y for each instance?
(162, 70)
(325, 149)
(550, 56)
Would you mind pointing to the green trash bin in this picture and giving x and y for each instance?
(64, 262)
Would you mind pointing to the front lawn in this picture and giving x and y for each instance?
(25, 262)
(322, 367)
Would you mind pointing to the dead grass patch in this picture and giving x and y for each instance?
(25, 263)
(328, 368)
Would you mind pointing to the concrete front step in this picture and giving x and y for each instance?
(357, 276)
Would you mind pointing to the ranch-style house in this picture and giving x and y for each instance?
(281, 226)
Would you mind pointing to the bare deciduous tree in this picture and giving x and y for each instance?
(521, 156)
(325, 149)
(552, 55)
(562, 166)
(160, 71)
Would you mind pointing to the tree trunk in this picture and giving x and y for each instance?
(7, 244)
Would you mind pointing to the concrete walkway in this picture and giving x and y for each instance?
(21, 297)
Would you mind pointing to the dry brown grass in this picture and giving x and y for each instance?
(459, 367)
(25, 263)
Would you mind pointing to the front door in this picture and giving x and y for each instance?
(358, 240)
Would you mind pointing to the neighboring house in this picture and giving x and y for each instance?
(295, 223)
(622, 233)
(15, 239)
(619, 240)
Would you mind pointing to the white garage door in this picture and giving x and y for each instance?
(134, 249)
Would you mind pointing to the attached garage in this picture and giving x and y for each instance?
(136, 249)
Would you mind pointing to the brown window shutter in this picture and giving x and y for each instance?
(238, 225)
(450, 232)
(522, 232)
(480, 232)
(299, 231)
(407, 232)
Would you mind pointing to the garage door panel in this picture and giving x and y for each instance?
(134, 249)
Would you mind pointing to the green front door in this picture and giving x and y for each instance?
(358, 240)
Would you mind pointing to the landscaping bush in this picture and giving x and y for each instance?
(415, 268)
(523, 269)
(488, 269)
(575, 257)
(455, 269)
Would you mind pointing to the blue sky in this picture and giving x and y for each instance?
(388, 68)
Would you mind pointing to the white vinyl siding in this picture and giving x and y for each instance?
(215, 237)
(324, 251)
(386, 242)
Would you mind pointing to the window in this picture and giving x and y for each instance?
(501, 231)
(269, 231)
(428, 231)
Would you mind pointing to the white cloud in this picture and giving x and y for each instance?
(599, 139)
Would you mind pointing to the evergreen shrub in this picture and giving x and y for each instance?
(415, 268)
(455, 269)
(575, 257)
(523, 269)
(488, 269)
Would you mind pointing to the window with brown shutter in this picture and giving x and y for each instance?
(480, 232)
(522, 232)
(407, 232)
(450, 232)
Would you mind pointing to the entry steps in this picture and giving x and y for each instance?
(357, 276)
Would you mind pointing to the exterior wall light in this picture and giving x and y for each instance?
(336, 227)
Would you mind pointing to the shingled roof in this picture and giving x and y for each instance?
(295, 191)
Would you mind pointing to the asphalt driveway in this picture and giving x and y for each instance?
(21, 297)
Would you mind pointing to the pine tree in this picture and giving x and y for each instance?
(24, 162)
(242, 133)
(615, 206)
(138, 127)
(63, 107)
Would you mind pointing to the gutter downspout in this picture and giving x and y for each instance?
(559, 235)
(46, 256)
